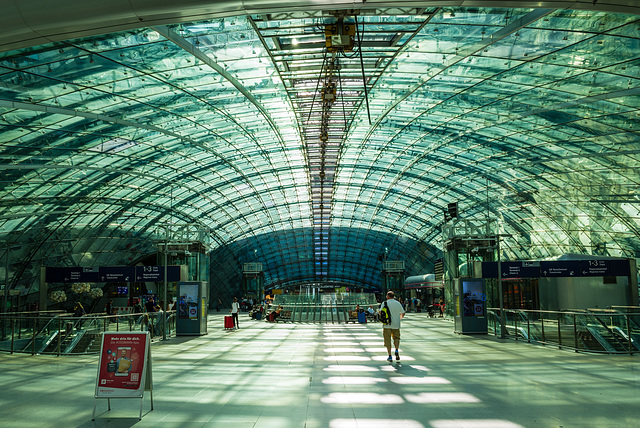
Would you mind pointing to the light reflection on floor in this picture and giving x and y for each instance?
(343, 349)
(346, 358)
(350, 368)
(361, 398)
(441, 397)
(474, 423)
(410, 380)
(352, 380)
(375, 423)
(315, 376)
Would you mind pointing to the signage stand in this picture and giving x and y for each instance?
(124, 368)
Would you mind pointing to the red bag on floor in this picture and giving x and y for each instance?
(228, 322)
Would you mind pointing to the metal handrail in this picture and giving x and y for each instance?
(28, 333)
(574, 328)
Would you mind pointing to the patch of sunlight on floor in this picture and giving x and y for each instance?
(361, 398)
(375, 423)
(352, 380)
(333, 350)
(419, 367)
(441, 397)
(350, 368)
(385, 356)
(342, 326)
(473, 423)
(346, 358)
(413, 380)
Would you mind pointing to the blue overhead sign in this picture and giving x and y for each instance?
(156, 273)
(558, 268)
(595, 268)
(524, 269)
(565, 268)
(72, 274)
(117, 274)
(112, 274)
(619, 267)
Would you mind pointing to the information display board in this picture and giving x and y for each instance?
(470, 311)
(192, 308)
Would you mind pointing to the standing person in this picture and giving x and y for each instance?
(441, 307)
(137, 309)
(78, 310)
(109, 308)
(392, 330)
(235, 308)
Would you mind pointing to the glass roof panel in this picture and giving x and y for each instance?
(251, 127)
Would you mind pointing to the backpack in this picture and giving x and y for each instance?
(385, 315)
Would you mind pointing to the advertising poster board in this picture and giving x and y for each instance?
(124, 369)
(188, 301)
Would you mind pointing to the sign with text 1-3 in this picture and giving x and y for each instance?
(124, 369)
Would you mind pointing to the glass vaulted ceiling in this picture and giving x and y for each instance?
(530, 116)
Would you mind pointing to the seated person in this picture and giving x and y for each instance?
(257, 309)
(372, 312)
(275, 314)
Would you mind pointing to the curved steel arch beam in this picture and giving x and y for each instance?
(171, 35)
(27, 23)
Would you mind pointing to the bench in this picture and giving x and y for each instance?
(284, 316)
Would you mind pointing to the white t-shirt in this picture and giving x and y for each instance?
(395, 310)
(235, 307)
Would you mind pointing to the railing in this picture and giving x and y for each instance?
(592, 330)
(61, 334)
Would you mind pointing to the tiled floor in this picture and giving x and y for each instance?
(336, 376)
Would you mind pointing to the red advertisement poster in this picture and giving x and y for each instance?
(122, 367)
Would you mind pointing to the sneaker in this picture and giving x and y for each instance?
(397, 356)
(389, 359)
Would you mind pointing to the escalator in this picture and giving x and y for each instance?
(592, 330)
(69, 336)
(328, 308)
(610, 327)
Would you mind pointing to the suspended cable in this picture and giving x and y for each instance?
(324, 60)
(344, 112)
(360, 37)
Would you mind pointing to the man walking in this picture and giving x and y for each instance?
(235, 308)
(392, 330)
